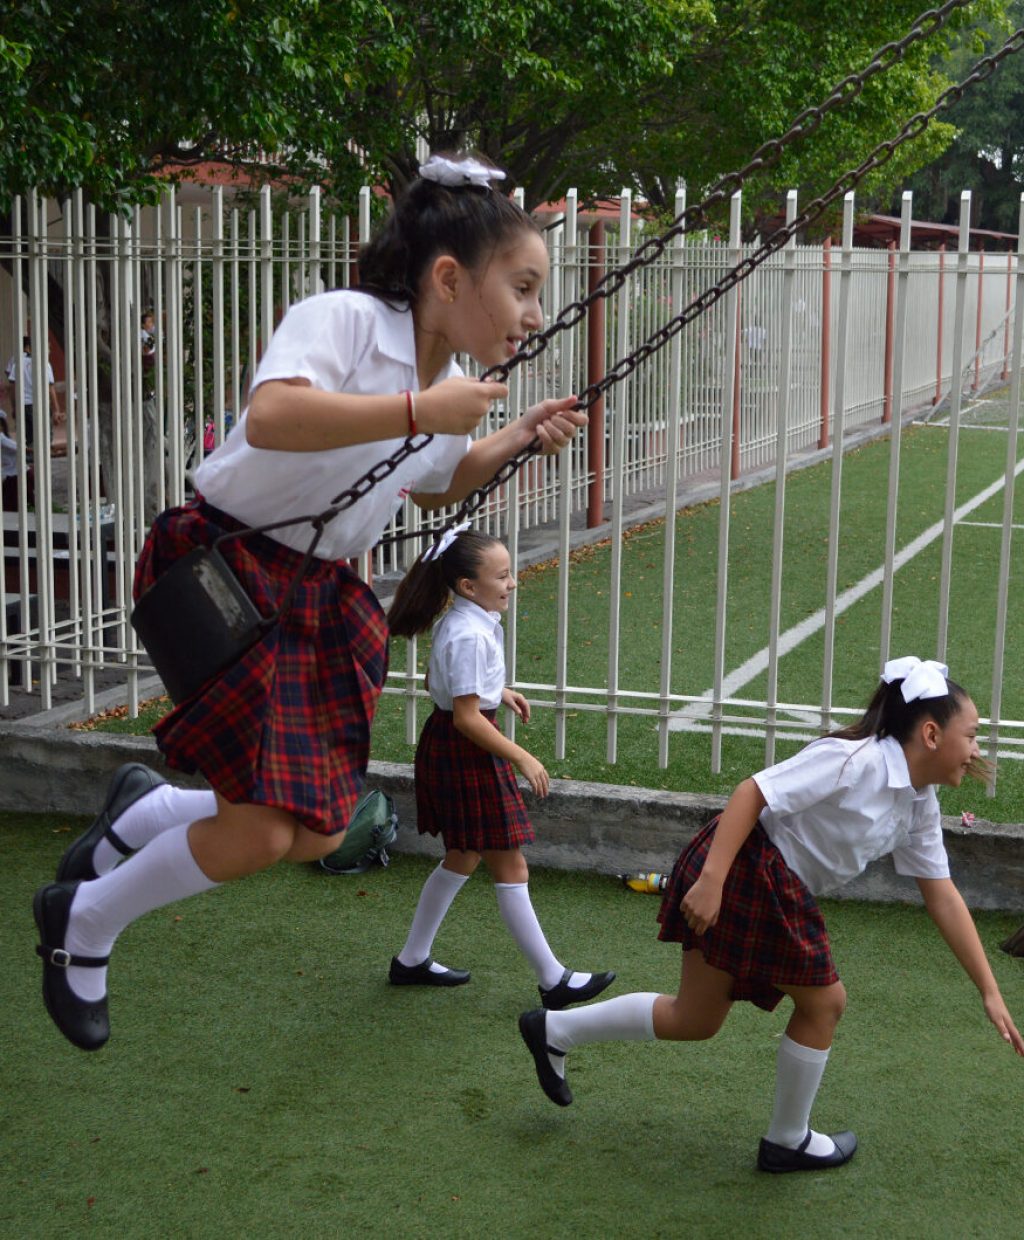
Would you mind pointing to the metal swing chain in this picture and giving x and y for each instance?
(766, 156)
(848, 181)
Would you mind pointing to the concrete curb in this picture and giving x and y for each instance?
(606, 828)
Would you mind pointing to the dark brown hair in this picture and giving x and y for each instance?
(422, 593)
(468, 222)
(888, 714)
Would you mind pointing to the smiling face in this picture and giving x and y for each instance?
(491, 311)
(954, 747)
(493, 584)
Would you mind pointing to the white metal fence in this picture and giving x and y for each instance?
(818, 341)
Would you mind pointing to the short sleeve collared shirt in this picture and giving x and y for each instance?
(837, 805)
(467, 656)
(341, 341)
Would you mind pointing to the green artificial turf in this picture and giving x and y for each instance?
(975, 563)
(264, 1080)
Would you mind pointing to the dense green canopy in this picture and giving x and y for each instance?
(593, 93)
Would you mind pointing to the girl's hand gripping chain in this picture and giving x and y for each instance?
(554, 422)
(456, 406)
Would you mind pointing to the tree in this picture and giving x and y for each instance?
(103, 94)
(987, 152)
(641, 92)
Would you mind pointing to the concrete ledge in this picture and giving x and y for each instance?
(605, 828)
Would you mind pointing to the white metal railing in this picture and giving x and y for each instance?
(818, 341)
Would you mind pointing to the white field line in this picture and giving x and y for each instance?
(758, 732)
(685, 720)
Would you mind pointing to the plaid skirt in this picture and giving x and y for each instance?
(463, 793)
(288, 725)
(769, 932)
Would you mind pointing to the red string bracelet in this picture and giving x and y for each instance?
(410, 404)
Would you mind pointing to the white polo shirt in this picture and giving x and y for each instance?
(467, 655)
(341, 341)
(838, 804)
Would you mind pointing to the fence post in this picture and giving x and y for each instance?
(595, 373)
(890, 326)
(826, 338)
(977, 322)
(938, 334)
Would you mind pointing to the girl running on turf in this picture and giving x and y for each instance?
(466, 789)
(740, 899)
(283, 735)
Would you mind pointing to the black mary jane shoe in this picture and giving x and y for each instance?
(562, 995)
(422, 975)
(85, 1022)
(129, 784)
(779, 1158)
(533, 1028)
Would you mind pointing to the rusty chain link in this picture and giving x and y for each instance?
(766, 156)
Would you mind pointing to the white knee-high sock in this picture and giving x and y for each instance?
(799, 1070)
(626, 1018)
(164, 807)
(517, 912)
(162, 873)
(440, 889)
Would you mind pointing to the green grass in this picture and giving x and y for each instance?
(923, 464)
(263, 1079)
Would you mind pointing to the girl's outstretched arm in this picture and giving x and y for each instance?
(947, 909)
(472, 724)
(704, 899)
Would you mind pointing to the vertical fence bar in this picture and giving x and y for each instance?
(1006, 534)
(266, 271)
(313, 267)
(40, 336)
(595, 373)
(730, 387)
(217, 299)
(570, 286)
(781, 460)
(838, 432)
(674, 416)
(890, 327)
(1004, 374)
(955, 400)
(618, 412)
(896, 433)
(825, 370)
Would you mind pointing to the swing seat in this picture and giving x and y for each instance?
(196, 620)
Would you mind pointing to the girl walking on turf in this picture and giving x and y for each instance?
(741, 899)
(282, 736)
(466, 788)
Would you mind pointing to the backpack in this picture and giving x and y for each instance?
(373, 826)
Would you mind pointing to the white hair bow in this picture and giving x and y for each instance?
(921, 678)
(444, 542)
(455, 172)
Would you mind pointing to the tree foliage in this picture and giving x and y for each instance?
(596, 94)
(987, 153)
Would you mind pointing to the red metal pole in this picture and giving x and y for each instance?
(938, 335)
(890, 334)
(1005, 373)
(826, 339)
(595, 373)
(977, 329)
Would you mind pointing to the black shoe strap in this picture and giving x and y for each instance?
(61, 958)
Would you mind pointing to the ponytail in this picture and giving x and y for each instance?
(888, 714)
(422, 594)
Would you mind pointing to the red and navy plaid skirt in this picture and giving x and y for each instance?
(288, 725)
(463, 793)
(770, 931)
